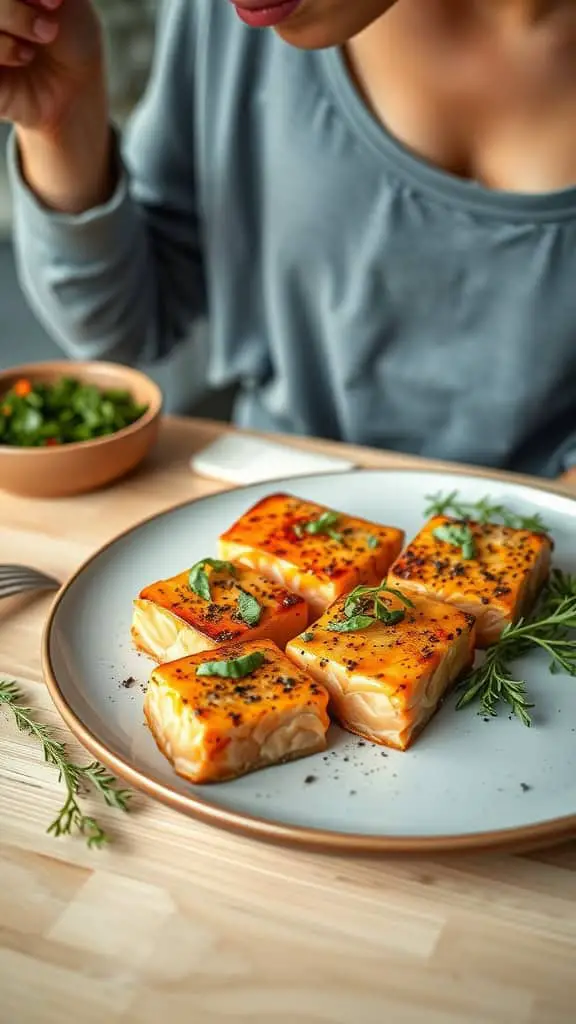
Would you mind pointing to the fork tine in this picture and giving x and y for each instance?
(18, 579)
(9, 572)
(17, 574)
(22, 575)
(10, 589)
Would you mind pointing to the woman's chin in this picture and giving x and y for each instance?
(320, 24)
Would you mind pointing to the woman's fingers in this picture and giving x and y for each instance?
(14, 53)
(23, 21)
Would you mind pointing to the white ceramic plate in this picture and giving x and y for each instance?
(466, 783)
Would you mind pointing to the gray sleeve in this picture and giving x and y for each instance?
(563, 458)
(124, 281)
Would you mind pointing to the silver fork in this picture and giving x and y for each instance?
(17, 579)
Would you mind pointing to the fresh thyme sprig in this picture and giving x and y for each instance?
(357, 605)
(70, 818)
(482, 511)
(493, 682)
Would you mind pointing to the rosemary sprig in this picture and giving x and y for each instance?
(482, 511)
(492, 684)
(560, 586)
(70, 818)
(493, 681)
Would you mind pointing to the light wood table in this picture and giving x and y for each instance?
(177, 922)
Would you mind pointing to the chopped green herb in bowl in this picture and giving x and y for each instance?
(39, 414)
(69, 428)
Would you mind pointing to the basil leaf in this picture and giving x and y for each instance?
(469, 549)
(398, 593)
(236, 668)
(354, 597)
(353, 625)
(323, 525)
(249, 609)
(447, 534)
(372, 541)
(385, 615)
(380, 610)
(459, 536)
(198, 577)
(326, 521)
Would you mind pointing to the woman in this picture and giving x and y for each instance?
(373, 201)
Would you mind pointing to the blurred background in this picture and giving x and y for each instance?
(129, 30)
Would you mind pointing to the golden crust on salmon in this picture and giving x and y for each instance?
(314, 551)
(497, 579)
(387, 680)
(212, 728)
(170, 620)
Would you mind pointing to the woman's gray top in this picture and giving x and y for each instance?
(353, 291)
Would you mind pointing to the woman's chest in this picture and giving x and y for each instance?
(502, 113)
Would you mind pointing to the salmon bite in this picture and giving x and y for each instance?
(494, 572)
(213, 603)
(386, 675)
(217, 717)
(316, 552)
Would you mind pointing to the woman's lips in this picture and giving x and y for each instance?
(265, 13)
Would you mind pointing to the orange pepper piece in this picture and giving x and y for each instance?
(22, 388)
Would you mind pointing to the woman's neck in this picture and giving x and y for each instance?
(520, 12)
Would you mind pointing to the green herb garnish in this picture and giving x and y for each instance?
(235, 668)
(356, 614)
(561, 585)
(383, 613)
(41, 415)
(482, 511)
(373, 542)
(306, 637)
(249, 609)
(353, 624)
(198, 578)
(492, 684)
(76, 778)
(458, 535)
(548, 629)
(324, 525)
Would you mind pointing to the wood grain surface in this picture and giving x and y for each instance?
(179, 923)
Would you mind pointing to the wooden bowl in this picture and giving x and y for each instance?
(63, 470)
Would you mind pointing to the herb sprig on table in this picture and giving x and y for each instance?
(483, 511)
(76, 778)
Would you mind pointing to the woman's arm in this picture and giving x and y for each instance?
(117, 273)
